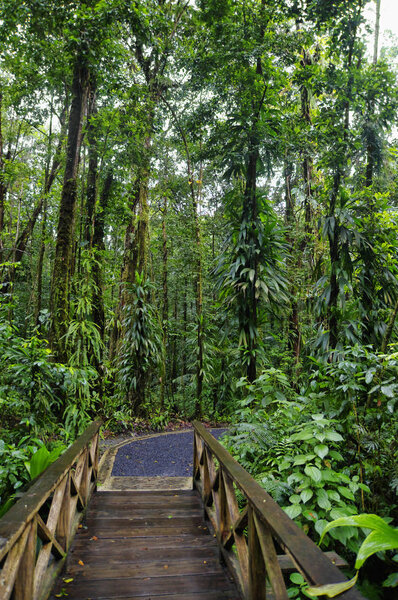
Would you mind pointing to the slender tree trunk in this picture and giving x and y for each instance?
(165, 308)
(185, 335)
(199, 304)
(92, 175)
(3, 187)
(333, 237)
(174, 350)
(377, 33)
(40, 263)
(98, 242)
(59, 302)
(249, 219)
(307, 158)
(127, 272)
(294, 328)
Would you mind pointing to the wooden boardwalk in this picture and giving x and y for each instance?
(145, 545)
(154, 543)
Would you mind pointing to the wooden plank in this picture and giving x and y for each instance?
(137, 494)
(126, 483)
(15, 520)
(219, 595)
(150, 503)
(312, 563)
(138, 569)
(288, 566)
(96, 553)
(126, 523)
(139, 532)
(120, 511)
(116, 546)
(146, 586)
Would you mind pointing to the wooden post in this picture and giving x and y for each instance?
(257, 572)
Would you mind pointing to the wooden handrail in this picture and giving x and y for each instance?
(253, 558)
(36, 532)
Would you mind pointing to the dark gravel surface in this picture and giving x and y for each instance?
(165, 456)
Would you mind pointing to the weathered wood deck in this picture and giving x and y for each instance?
(145, 545)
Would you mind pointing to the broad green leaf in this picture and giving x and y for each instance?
(321, 450)
(333, 495)
(331, 590)
(391, 581)
(346, 492)
(297, 578)
(320, 526)
(334, 436)
(323, 499)
(293, 511)
(301, 459)
(387, 390)
(376, 541)
(318, 417)
(382, 536)
(306, 495)
(295, 499)
(336, 455)
(313, 472)
(301, 436)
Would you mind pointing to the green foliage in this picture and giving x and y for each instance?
(83, 339)
(41, 459)
(140, 351)
(382, 537)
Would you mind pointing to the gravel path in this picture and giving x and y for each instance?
(164, 455)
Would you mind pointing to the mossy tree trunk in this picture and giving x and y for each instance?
(59, 299)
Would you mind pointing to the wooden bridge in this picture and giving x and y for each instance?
(154, 545)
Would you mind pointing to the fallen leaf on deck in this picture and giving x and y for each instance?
(81, 563)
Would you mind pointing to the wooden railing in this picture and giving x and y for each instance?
(36, 532)
(259, 543)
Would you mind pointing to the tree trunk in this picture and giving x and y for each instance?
(98, 242)
(293, 325)
(165, 308)
(334, 254)
(249, 215)
(3, 187)
(59, 302)
(92, 175)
